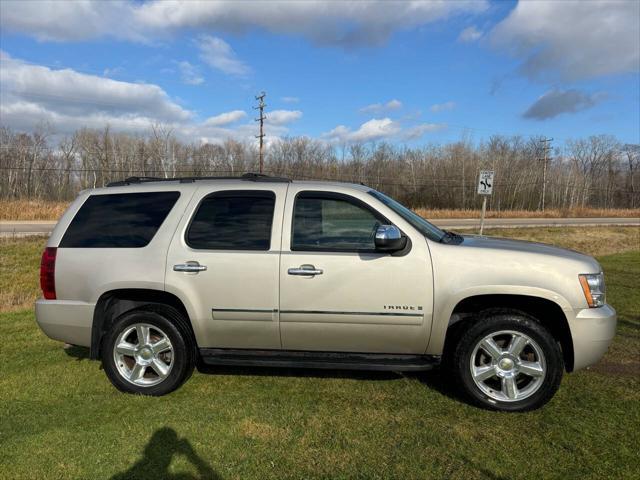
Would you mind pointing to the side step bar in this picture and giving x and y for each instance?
(325, 360)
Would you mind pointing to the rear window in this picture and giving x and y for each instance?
(233, 220)
(121, 220)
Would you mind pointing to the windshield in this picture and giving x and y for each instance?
(427, 229)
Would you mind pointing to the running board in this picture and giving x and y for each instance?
(325, 360)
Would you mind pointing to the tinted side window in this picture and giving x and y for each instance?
(122, 220)
(234, 220)
(325, 223)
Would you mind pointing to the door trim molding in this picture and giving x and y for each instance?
(353, 318)
(243, 310)
(330, 312)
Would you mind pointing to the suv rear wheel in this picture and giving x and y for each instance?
(147, 352)
(508, 361)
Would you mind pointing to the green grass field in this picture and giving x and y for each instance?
(61, 418)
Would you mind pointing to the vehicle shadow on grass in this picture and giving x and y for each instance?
(432, 379)
(158, 454)
(297, 372)
(79, 353)
(437, 380)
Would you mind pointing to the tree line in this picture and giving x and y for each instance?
(598, 171)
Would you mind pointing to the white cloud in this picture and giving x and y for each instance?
(218, 54)
(469, 34)
(69, 100)
(382, 129)
(70, 93)
(190, 74)
(377, 108)
(54, 20)
(572, 40)
(225, 118)
(244, 132)
(290, 99)
(325, 22)
(374, 129)
(340, 133)
(281, 117)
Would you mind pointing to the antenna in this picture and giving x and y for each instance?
(261, 119)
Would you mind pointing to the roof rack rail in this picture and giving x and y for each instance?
(251, 177)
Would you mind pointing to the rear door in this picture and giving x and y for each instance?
(353, 299)
(224, 261)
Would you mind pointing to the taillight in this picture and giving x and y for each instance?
(48, 273)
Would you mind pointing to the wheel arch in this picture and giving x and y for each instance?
(114, 303)
(549, 313)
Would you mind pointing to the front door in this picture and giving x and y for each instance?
(223, 263)
(337, 292)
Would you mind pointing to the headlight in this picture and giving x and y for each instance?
(593, 288)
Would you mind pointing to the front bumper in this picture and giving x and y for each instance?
(592, 330)
(65, 320)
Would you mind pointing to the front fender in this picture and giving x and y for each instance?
(443, 310)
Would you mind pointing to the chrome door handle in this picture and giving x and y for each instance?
(305, 270)
(189, 267)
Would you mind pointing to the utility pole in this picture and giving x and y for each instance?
(545, 148)
(261, 119)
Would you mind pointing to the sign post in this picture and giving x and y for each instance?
(485, 187)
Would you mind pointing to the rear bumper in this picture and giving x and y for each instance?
(65, 320)
(592, 330)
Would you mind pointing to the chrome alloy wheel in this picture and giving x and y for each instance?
(508, 366)
(143, 355)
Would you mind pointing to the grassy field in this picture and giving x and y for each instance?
(549, 213)
(60, 418)
(52, 210)
(31, 209)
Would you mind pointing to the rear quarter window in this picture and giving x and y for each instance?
(121, 220)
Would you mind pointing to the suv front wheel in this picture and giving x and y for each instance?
(147, 352)
(508, 361)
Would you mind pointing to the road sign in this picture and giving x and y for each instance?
(485, 187)
(485, 182)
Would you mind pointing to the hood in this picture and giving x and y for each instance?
(522, 246)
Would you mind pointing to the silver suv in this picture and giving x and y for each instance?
(156, 276)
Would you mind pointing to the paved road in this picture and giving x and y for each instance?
(26, 228)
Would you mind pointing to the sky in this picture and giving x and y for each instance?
(342, 72)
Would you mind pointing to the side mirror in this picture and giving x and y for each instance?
(389, 239)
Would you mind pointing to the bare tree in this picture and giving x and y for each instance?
(596, 171)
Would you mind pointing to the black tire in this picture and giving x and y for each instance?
(495, 321)
(182, 360)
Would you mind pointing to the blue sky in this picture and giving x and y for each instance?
(407, 73)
